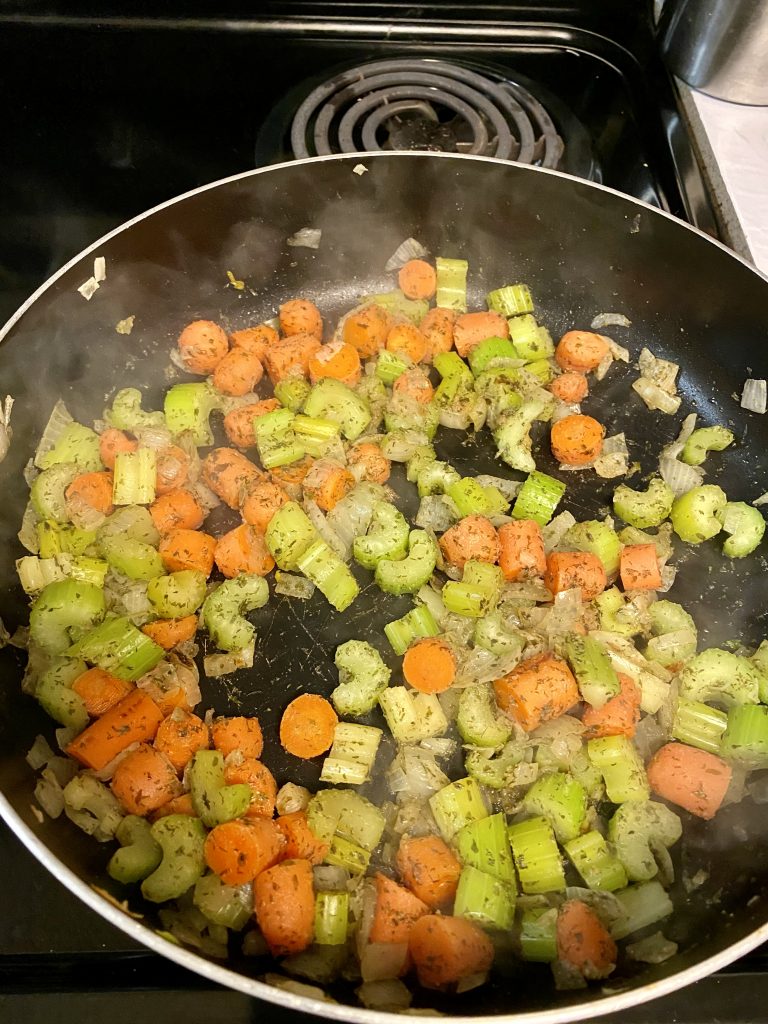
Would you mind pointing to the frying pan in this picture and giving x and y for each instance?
(582, 249)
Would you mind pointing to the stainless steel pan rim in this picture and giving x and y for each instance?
(608, 1003)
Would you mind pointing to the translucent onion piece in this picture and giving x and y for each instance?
(294, 586)
(563, 409)
(414, 774)
(610, 320)
(391, 995)
(508, 488)
(351, 516)
(617, 351)
(100, 269)
(436, 512)
(154, 437)
(5, 426)
(674, 448)
(125, 326)
(668, 577)
(410, 249)
(329, 877)
(83, 515)
(50, 796)
(291, 797)
(105, 774)
(653, 949)
(89, 288)
(680, 477)
(754, 396)
(480, 666)
(649, 736)
(59, 419)
(222, 664)
(204, 496)
(440, 746)
(326, 531)
(605, 904)
(39, 753)
(660, 372)
(614, 458)
(604, 366)
(306, 238)
(655, 397)
(565, 613)
(555, 530)
(762, 500)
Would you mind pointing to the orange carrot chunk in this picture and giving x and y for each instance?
(172, 469)
(472, 328)
(229, 474)
(255, 340)
(176, 510)
(203, 344)
(639, 567)
(261, 502)
(372, 463)
(538, 690)
(521, 550)
(187, 549)
(570, 569)
(238, 734)
(447, 949)
(300, 841)
(691, 778)
(584, 942)
(284, 905)
(576, 440)
(300, 316)
(475, 537)
(169, 633)
(238, 423)
(417, 279)
(93, 490)
(570, 387)
(291, 355)
(581, 351)
(238, 373)
(240, 850)
(253, 773)
(366, 330)
(113, 441)
(429, 868)
(308, 725)
(134, 720)
(145, 780)
(338, 360)
(180, 736)
(100, 690)
(327, 483)
(429, 665)
(243, 550)
(178, 805)
(437, 327)
(397, 910)
(406, 339)
(416, 384)
(618, 716)
(292, 475)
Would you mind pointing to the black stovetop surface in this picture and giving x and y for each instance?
(103, 118)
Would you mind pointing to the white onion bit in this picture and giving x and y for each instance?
(410, 249)
(754, 397)
(99, 269)
(89, 288)
(610, 320)
(306, 238)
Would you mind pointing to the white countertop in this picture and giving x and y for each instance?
(738, 136)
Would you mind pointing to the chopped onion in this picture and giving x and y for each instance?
(391, 995)
(204, 496)
(291, 797)
(410, 249)
(762, 500)
(679, 476)
(434, 602)
(470, 981)
(654, 397)
(481, 666)
(294, 586)
(59, 419)
(105, 774)
(27, 535)
(607, 907)
(613, 460)
(565, 613)
(125, 326)
(39, 754)
(89, 288)
(555, 530)
(562, 735)
(737, 787)
(359, 169)
(414, 774)
(351, 516)
(324, 528)
(660, 372)
(222, 664)
(440, 746)
(100, 269)
(306, 238)
(82, 514)
(604, 366)
(617, 351)
(653, 949)
(508, 488)
(754, 396)
(668, 577)
(154, 437)
(65, 735)
(437, 512)
(5, 427)
(399, 447)
(383, 961)
(50, 795)
(328, 877)
(610, 320)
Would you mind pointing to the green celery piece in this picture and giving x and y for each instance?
(451, 290)
(671, 649)
(492, 634)
(760, 660)
(230, 906)
(332, 400)
(117, 646)
(494, 770)
(346, 854)
(330, 575)
(187, 410)
(609, 604)
(484, 844)
(669, 617)
(60, 538)
(352, 755)
(405, 413)
(276, 439)
(181, 839)
(224, 610)
(213, 800)
(48, 491)
(471, 498)
(409, 574)
(538, 498)
(390, 366)
(561, 800)
(395, 302)
(642, 905)
(386, 537)
(331, 918)
(77, 444)
(135, 475)
(479, 721)
(289, 534)
(456, 805)
(292, 392)
(621, 767)
(698, 724)
(412, 716)
(55, 695)
(594, 861)
(139, 854)
(706, 440)
(513, 438)
(490, 353)
(484, 899)
(633, 830)
(596, 677)
(644, 509)
(720, 677)
(178, 594)
(61, 608)
(745, 739)
(132, 522)
(363, 676)
(315, 434)
(92, 807)
(421, 458)
(538, 934)
(597, 538)
(511, 300)
(694, 514)
(133, 558)
(435, 478)
(451, 365)
(417, 623)
(478, 591)
(537, 858)
(542, 369)
(745, 527)
(344, 813)
(126, 412)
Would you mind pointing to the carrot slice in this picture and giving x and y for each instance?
(338, 360)
(93, 490)
(417, 279)
(293, 474)
(429, 665)
(180, 736)
(639, 567)
(447, 949)
(577, 439)
(176, 510)
(261, 502)
(691, 778)
(256, 339)
(584, 942)
(538, 690)
(134, 720)
(475, 537)
(187, 549)
(243, 550)
(327, 483)
(240, 850)
(145, 780)
(238, 734)
(372, 463)
(172, 469)
(406, 339)
(169, 633)
(416, 384)
(521, 550)
(397, 910)
(238, 373)
(100, 690)
(262, 782)
(229, 474)
(284, 905)
(367, 330)
(570, 387)
(178, 805)
(300, 841)
(113, 441)
(238, 423)
(618, 716)
(308, 725)
(570, 569)
(300, 316)
(437, 327)
(429, 868)
(472, 328)
(581, 351)
(291, 355)
(203, 344)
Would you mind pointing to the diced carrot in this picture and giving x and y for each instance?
(300, 841)
(367, 330)
(261, 502)
(581, 351)
(691, 778)
(238, 423)
(168, 700)
(176, 510)
(134, 720)
(291, 355)
(538, 690)
(300, 316)
(180, 735)
(255, 340)
(584, 942)
(327, 483)
(243, 550)
(338, 360)
(372, 463)
(473, 538)
(429, 868)
(145, 780)
(229, 474)
(172, 469)
(238, 373)
(417, 279)
(292, 475)
(113, 441)
(239, 734)
(407, 339)
(447, 949)
(179, 805)
(187, 549)
(308, 725)
(437, 327)
(577, 439)
(618, 716)
(169, 633)
(240, 850)
(100, 690)
(203, 344)
(472, 328)
(639, 567)
(429, 665)
(284, 905)
(416, 384)
(397, 910)
(253, 773)
(521, 550)
(570, 387)
(569, 569)
(93, 490)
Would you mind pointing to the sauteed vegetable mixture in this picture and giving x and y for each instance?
(539, 652)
